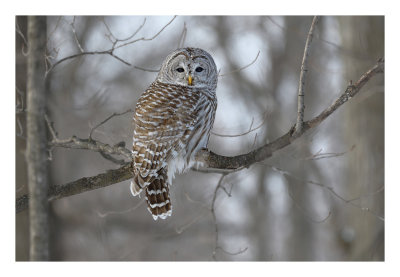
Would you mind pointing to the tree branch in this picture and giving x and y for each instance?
(112, 49)
(242, 68)
(251, 129)
(303, 76)
(107, 119)
(88, 144)
(75, 36)
(81, 185)
(210, 159)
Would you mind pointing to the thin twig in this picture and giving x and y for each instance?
(245, 133)
(240, 251)
(217, 246)
(380, 189)
(20, 101)
(179, 230)
(107, 119)
(348, 52)
(328, 188)
(146, 69)
(109, 51)
(203, 213)
(110, 35)
(302, 81)
(21, 130)
(75, 36)
(183, 36)
(214, 215)
(319, 155)
(115, 39)
(54, 30)
(254, 141)
(112, 159)
(19, 32)
(91, 144)
(240, 69)
(229, 193)
(105, 214)
(125, 39)
(49, 56)
(50, 126)
(88, 144)
(106, 52)
(305, 213)
(147, 39)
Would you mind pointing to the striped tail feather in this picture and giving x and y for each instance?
(157, 196)
(138, 183)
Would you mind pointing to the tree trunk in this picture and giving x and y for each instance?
(36, 155)
(364, 126)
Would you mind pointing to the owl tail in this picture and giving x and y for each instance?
(157, 197)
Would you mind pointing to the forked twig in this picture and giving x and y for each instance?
(212, 209)
(251, 129)
(88, 144)
(75, 36)
(240, 69)
(111, 50)
(319, 155)
(107, 119)
(330, 189)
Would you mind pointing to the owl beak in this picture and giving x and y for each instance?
(190, 79)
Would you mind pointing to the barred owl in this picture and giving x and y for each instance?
(172, 120)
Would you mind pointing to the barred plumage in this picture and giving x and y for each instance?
(172, 119)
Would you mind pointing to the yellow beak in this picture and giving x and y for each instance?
(190, 79)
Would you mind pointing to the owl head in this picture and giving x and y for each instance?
(189, 67)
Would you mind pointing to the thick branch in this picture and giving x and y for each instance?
(81, 185)
(211, 159)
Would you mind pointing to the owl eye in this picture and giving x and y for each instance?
(199, 69)
(180, 69)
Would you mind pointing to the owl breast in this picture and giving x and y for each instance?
(172, 123)
(184, 158)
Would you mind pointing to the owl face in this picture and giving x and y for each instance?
(189, 67)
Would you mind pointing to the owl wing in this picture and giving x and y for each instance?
(166, 118)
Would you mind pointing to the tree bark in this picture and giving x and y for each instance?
(36, 155)
(364, 125)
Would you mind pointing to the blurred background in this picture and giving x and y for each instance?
(319, 199)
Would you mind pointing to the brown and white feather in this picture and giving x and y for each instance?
(172, 122)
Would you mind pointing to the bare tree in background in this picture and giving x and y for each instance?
(36, 150)
(74, 106)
